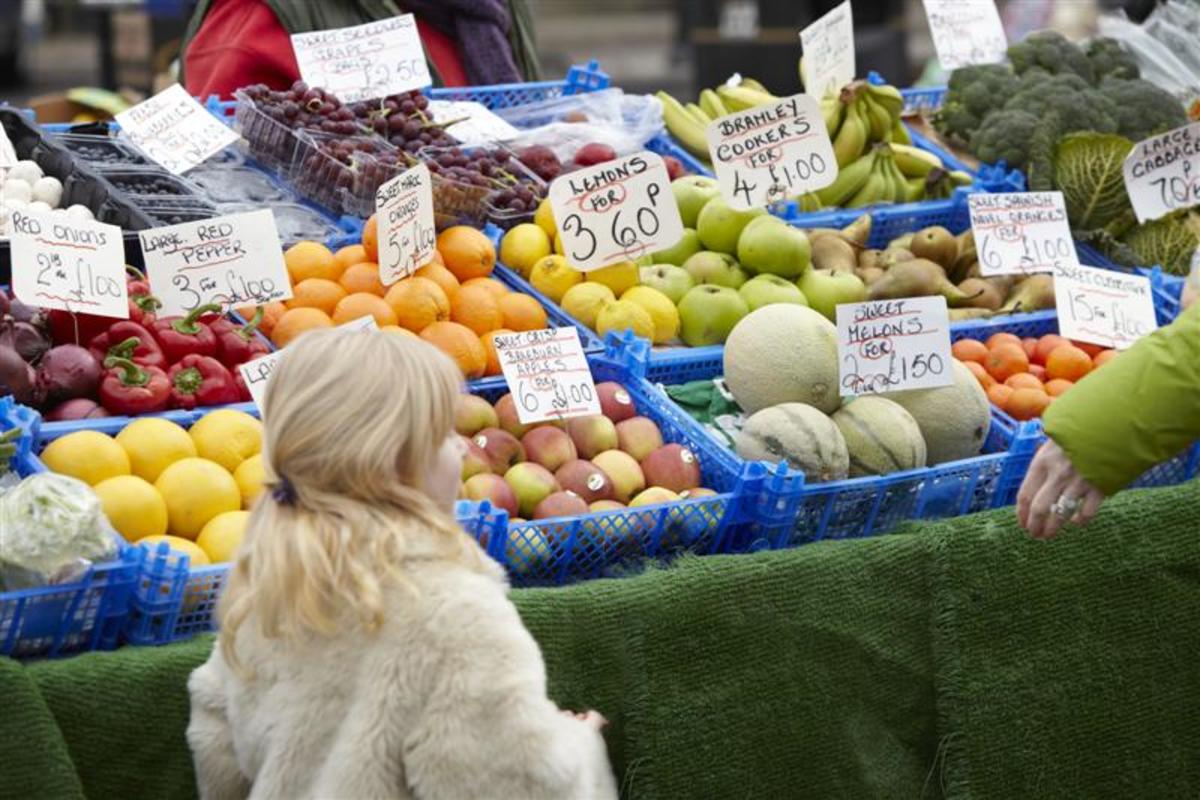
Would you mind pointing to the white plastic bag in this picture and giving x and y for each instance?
(1161, 61)
(625, 122)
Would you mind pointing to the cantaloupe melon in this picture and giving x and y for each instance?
(783, 353)
(799, 434)
(880, 435)
(954, 420)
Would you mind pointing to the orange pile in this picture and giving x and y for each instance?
(1023, 376)
(451, 302)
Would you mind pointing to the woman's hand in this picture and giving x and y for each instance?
(1054, 493)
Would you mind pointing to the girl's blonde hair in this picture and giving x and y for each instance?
(353, 421)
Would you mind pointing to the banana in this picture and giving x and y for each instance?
(809, 202)
(697, 113)
(873, 191)
(685, 129)
(740, 98)
(900, 133)
(711, 104)
(849, 180)
(888, 97)
(851, 137)
(916, 189)
(750, 83)
(878, 119)
(914, 162)
(961, 178)
(899, 182)
(834, 111)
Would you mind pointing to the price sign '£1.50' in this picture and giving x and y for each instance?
(547, 374)
(404, 208)
(891, 345)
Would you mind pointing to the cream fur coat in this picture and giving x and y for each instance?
(446, 702)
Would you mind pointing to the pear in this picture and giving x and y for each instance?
(893, 256)
(687, 246)
(936, 244)
(859, 231)
(826, 290)
(917, 278)
(1034, 293)
(834, 253)
(869, 275)
(769, 245)
(902, 241)
(982, 294)
(719, 226)
(966, 256)
(867, 259)
(962, 314)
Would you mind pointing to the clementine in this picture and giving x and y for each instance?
(1023, 380)
(981, 374)
(1069, 362)
(1045, 347)
(1057, 386)
(969, 350)
(1103, 357)
(489, 347)
(997, 339)
(1026, 404)
(1006, 359)
(998, 395)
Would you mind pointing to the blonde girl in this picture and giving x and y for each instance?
(367, 647)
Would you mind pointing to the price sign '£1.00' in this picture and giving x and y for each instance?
(407, 236)
(364, 62)
(616, 211)
(1020, 233)
(547, 374)
(175, 130)
(1100, 306)
(891, 345)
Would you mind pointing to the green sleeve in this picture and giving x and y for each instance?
(1140, 409)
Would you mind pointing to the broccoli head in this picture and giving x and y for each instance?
(1052, 52)
(1142, 109)
(973, 92)
(1081, 107)
(1005, 136)
(1110, 59)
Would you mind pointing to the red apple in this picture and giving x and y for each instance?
(506, 413)
(532, 483)
(503, 450)
(615, 402)
(673, 467)
(475, 461)
(586, 480)
(560, 504)
(624, 472)
(592, 435)
(473, 414)
(594, 153)
(638, 436)
(492, 488)
(548, 446)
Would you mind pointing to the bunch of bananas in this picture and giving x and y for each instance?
(687, 122)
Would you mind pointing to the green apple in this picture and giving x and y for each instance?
(763, 290)
(720, 226)
(719, 269)
(691, 193)
(687, 246)
(770, 245)
(708, 313)
(826, 290)
(669, 279)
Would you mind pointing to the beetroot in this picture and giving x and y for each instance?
(79, 408)
(26, 338)
(66, 372)
(16, 377)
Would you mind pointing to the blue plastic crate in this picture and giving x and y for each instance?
(923, 99)
(665, 145)
(84, 614)
(579, 79)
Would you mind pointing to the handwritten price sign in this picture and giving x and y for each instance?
(890, 345)
(404, 208)
(829, 51)
(966, 32)
(366, 61)
(615, 211)
(231, 261)
(771, 152)
(175, 130)
(1162, 173)
(1112, 309)
(1018, 233)
(547, 374)
(68, 264)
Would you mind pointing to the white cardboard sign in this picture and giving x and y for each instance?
(771, 152)
(364, 62)
(8, 154)
(174, 130)
(1019, 233)
(68, 264)
(258, 372)
(828, 47)
(966, 32)
(616, 211)
(1162, 173)
(891, 345)
(1100, 306)
(231, 261)
(407, 236)
(547, 374)
(476, 124)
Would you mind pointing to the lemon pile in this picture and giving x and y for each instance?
(160, 483)
(605, 299)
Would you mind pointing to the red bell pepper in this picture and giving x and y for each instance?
(185, 336)
(129, 389)
(127, 339)
(142, 304)
(237, 345)
(202, 381)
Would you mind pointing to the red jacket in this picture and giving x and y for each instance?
(241, 42)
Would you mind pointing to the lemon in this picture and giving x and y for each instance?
(618, 277)
(558, 245)
(222, 536)
(196, 556)
(90, 456)
(153, 444)
(544, 219)
(133, 506)
(625, 315)
(661, 310)
(553, 276)
(522, 246)
(227, 437)
(584, 301)
(250, 476)
(196, 490)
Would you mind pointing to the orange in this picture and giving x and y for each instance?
(1092, 350)
(316, 293)
(461, 344)
(296, 321)
(397, 329)
(1068, 362)
(1103, 357)
(1026, 404)
(997, 339)
(1057, 386)
(998, 395)
(1006, 359)
(1030, 345)
(360, 304)
(467, 252)
(306, 260)
(441, 276)
(522, 313)
(271, 314)
(475, 307)
(1023, 380)
(489, 347)
(969, 350)
(494, 286)
(981, 374)
(370, 239)
(1045, 347)
(418, 303)
(362, 277)
(350, 255)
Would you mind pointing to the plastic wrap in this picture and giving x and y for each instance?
(1164, 47)
(625, 122)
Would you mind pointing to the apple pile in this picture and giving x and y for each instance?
(609, 461)
(542, 161)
